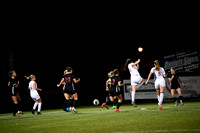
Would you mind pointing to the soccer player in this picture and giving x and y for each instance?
(159, 82)
(136, 79)
(175, 86)
(13, 85)
(34, 94)
(68, 90)
(114, 90)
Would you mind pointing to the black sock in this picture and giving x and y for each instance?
(15, 109)
(174, 99)
(66, 104)
(119, 104)
(180, 97)
(74, 103)
(70, 102)
(115, 102)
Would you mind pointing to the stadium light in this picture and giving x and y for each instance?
(140, 49)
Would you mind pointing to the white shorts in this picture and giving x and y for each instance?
(160, 83)
(135, 80)
(35, 96)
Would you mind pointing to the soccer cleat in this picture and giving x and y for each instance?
(117, 110)
(160, 107)
(67, 110)
(133, 103)
(73, 109)
(104, 104)
(38, 113)
(20, 112)
(181, 102)
(16, 114)
(114, 107)
(33, 111)
(176, 103)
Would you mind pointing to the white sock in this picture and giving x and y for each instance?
(158, 98)
(35, 105)
(39, 107)
(161, 98)
(133, 96)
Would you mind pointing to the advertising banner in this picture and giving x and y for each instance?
(190, 89)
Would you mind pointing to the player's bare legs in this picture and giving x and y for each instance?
(133, 94)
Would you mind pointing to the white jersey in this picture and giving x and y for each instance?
(133, 70)
(32, 88)
(159, 74)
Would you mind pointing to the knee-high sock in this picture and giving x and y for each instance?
(158, 98)
(74, 103)
(119, 104)
(39, 106)
(133, 96)
(70, 102)
(161, 98)
(15, 109)
(35, 105)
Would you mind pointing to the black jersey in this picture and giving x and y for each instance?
(12, 87)
(175, 83)
(114, 84)
(69, 83)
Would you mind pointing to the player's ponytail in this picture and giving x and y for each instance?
(156, 62)
(27, 77)
(116, 71)
(128, 61)
(30, 77)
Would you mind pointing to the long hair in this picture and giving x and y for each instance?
(128, 61)
(156, 62)
(116, 71)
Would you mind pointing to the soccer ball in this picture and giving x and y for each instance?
(96, 102)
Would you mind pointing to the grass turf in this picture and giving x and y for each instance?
(143, 119)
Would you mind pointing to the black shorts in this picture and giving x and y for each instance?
(70, 92)
(176, 86)
(14, 91)
(114, 94)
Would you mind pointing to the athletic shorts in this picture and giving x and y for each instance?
(135, 80)
(35, 96)
(175, 86)
(160, 83)
(70, 92)
(14, 91)
(114, 94)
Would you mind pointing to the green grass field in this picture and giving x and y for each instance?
(143, 119)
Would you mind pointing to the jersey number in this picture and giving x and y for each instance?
(159, 74)
(67, 79)
(113, 82)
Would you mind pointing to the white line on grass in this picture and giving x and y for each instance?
(161, 131)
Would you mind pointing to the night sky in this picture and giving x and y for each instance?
(92, 49)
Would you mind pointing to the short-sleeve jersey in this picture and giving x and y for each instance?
(133, 70)
(174, 81)
(159, 74)
(12, 87)
(31, 86)
(114, 83)
(69, 81)
(13, 82)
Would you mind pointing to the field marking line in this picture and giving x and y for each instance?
(161, 131)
